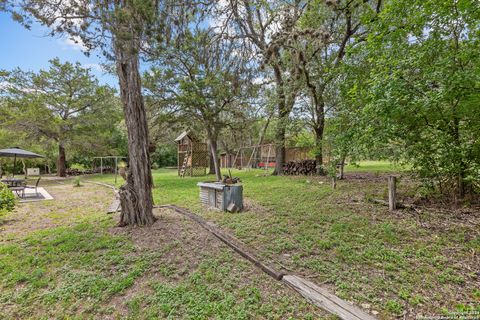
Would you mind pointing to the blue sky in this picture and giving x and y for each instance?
(31, 50)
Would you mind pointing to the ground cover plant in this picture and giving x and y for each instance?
(7, 200)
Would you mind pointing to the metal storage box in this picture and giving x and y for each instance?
(219, 195)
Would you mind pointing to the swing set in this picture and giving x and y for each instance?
(255, 156)
(108, 164)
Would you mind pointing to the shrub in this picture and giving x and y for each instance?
(77, 182)
(7, 200)
(77, 166)
(165, 156)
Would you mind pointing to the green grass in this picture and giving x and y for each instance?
(60, 267)
(74, 267)
(365, 253)
(373, 166)
(212, 291)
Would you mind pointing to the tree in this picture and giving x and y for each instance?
(265, 25)
(424, 89)
(120, 29)
(318, 45)
(205, 79)
(64, 104)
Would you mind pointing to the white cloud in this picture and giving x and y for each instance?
(74, 43)
(4, 85)
(94, 66)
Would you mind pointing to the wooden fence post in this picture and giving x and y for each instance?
(392, 193)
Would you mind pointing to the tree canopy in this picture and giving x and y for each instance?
(353, 79)
(63, 105)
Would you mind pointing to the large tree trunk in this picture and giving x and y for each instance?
(136, 195)
(61, 163)
(319, 129)
(279, 149)
(212, 141)
(318, 121)
(211, 166)
(284, 109)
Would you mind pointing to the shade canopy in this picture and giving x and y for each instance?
(18, 153)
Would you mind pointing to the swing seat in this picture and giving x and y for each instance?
(263, 164)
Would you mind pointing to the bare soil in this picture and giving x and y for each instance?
(61, 211)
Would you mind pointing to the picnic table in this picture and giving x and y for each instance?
(16, 185)
(13, 182)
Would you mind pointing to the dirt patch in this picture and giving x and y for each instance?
(181, 245)
(70, 204)
(175, 237)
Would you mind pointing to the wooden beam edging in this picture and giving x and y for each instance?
(229, 241)
(102, 184)
(325, 300)
(318, 296)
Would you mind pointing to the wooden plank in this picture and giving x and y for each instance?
(114, 207)
(315, 294)
(325, 300)
(228, 240)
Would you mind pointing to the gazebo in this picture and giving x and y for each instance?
(192, 155)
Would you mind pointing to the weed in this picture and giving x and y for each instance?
(77, 182)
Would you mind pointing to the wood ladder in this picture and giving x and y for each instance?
(185, 164)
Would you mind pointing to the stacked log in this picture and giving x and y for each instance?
(230, 180)
(302, 167)
(77, 172)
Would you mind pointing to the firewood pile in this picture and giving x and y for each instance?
(77, 172)
(229, 179)
(303, 167)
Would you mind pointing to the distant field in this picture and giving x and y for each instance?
(374, 166)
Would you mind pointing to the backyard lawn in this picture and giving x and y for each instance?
(405, 263)
(118, 89)
(65, 258)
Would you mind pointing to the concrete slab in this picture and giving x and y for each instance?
(30, 195)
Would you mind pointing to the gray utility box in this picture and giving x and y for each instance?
(220, 195)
